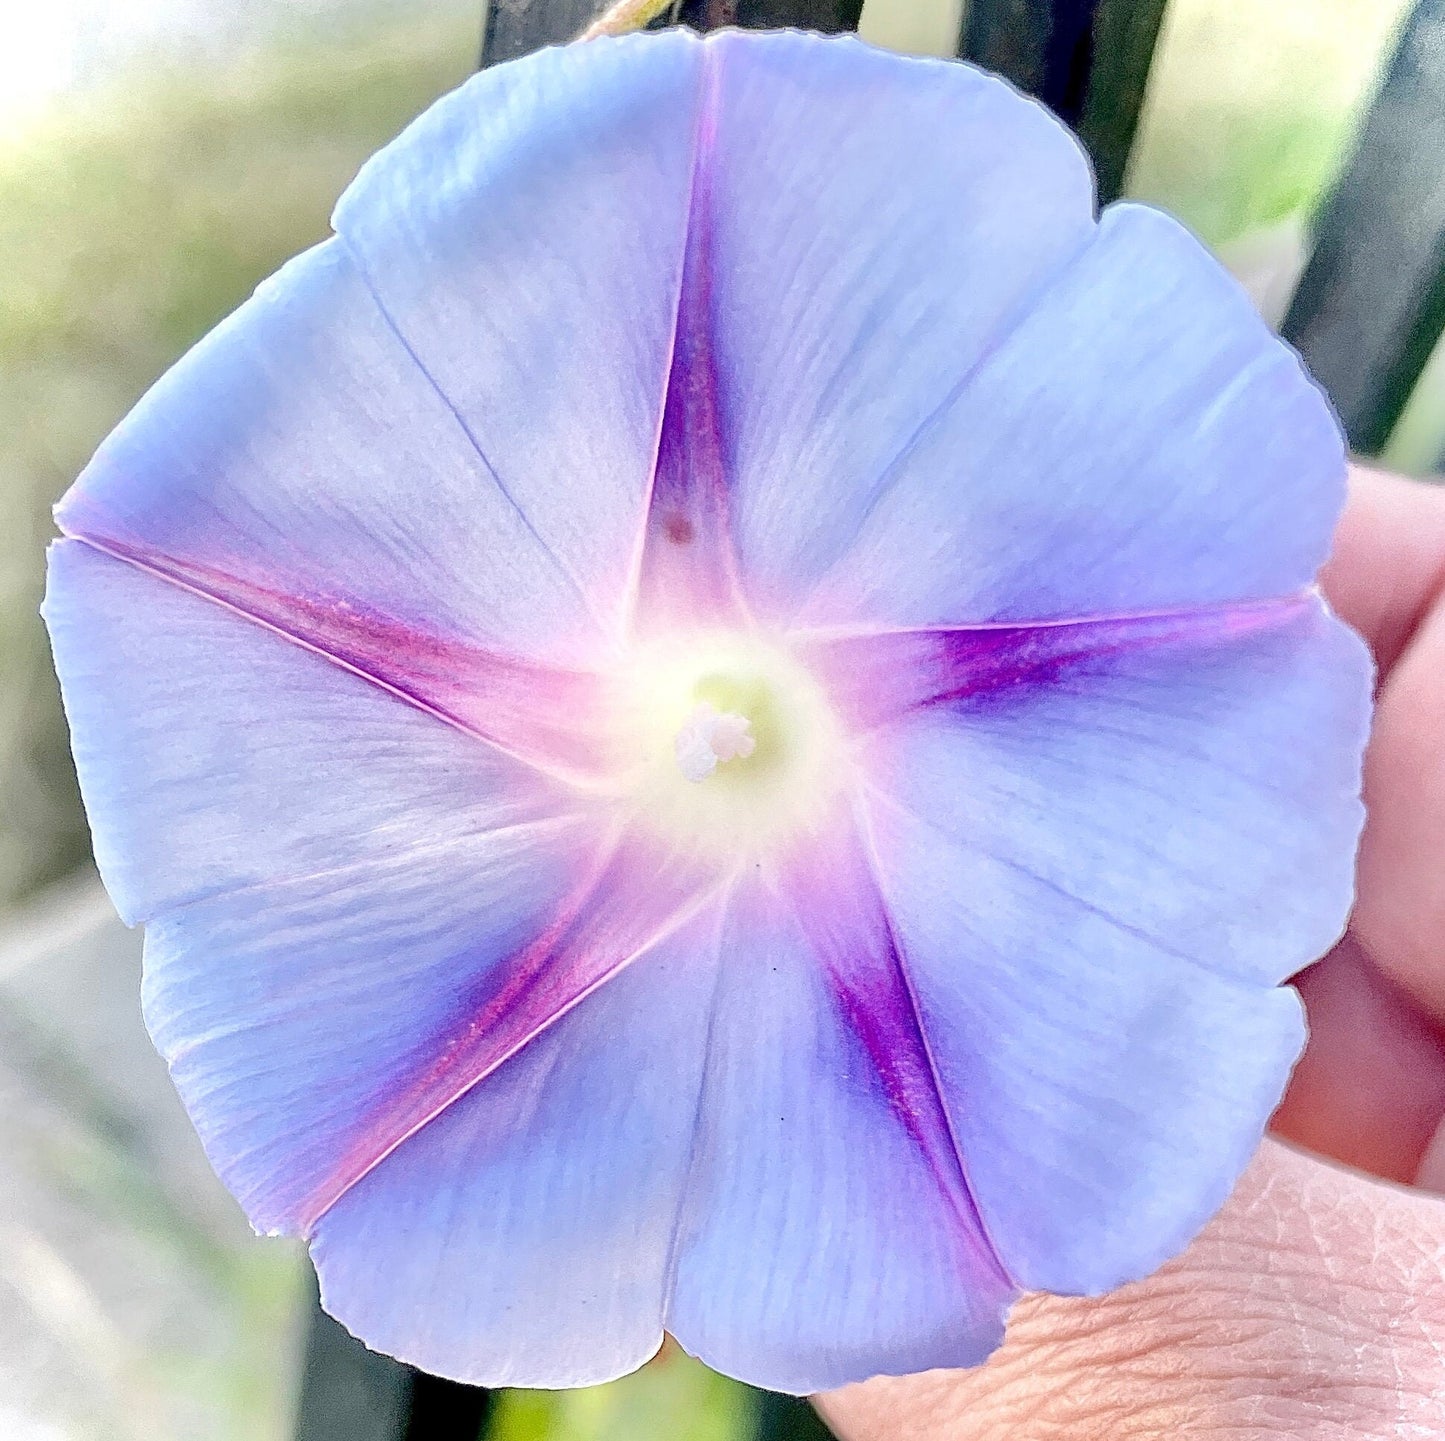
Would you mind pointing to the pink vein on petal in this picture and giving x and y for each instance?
(845, 918)
(531, 710)
(688, 566)
(875, 678)
(631, 899)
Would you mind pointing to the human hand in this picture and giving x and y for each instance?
(1314, 1305)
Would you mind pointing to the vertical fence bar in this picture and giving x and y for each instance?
(1011, 37)
(1125, 35)
(786, 1418)
(1371, 303)
(514, 28)
(1087, 60)
(349, 1393)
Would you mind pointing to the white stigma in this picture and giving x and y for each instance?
(710, 736)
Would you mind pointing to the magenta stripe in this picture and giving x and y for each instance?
(536, 712)
(876, 678)
(632, 897)
(688, 567)
(843, 915)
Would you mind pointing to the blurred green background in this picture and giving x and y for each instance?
(138, 207)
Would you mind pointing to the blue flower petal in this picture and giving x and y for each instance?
(357, 914)
(1140, 440)
(330, 875)
(525, 237)
(299, 1017)
(213, 755)
(1096, 882)
(524, 1237)
(875, 227)
(828, 1234)
(298, 452)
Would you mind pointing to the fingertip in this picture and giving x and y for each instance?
(1370, 1088)
(1387, 564)
(1400, 913)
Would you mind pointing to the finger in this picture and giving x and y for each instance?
(1370, 1087)
(1313, 1307)
(1371, 1077)
(1387, 566)
(1400, 907)
(1386, 577)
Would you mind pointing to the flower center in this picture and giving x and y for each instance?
(709, 736)
(734, 746)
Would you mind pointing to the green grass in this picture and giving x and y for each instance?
(674, 1398)
(1251, 105)
(130, 224)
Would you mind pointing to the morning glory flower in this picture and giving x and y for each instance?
(718, 716)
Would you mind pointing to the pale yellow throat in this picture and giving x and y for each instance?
(727, 746)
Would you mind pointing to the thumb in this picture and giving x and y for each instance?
(1312, 1307)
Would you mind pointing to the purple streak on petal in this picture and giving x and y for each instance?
(1111, 1089)
(531, 710)
(833, 884)
(291, 1011)
(879, 224)
(631, 900)
(523, 237)
(1098, 882)
(826, 1236)
(523, 1238)
(214, 758)
(300, 446)
(688, 567)
(876, 678)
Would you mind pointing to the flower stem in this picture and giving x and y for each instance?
(624, 16)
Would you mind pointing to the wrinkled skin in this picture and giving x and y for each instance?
(1314, 1305)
